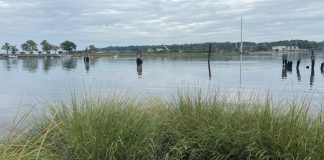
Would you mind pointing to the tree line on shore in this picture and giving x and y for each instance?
(31, 47)
(220, 46)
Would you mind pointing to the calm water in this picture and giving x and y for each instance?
(27, 82)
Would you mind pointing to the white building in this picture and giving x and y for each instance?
(150, 50)
(285, 48)
(159, 49)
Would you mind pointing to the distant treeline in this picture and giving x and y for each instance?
(218, 46)
(31, 47)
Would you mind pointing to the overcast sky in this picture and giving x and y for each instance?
(138, 22)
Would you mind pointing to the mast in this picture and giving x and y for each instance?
(241, 36)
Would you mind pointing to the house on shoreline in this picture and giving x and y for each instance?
(285, 48)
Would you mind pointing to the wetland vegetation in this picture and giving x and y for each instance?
(191, 126)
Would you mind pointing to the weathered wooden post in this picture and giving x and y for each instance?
(312, 74)
(139, 62)
(86, 57)
(139, 57)
(284, 60)
(312, 69)
(298, 74)
(289, 66)
(209, 54)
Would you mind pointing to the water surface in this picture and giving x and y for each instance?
(27, 82)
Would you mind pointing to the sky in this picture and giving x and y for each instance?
(154, 22)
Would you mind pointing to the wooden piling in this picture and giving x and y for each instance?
(86, 56)
(86, 59)
(209, 54)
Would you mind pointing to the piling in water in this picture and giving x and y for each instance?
(139, 61)
(86, 59)
(288, 66)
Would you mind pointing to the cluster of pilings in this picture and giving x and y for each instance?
(86, 59)
(287, 66)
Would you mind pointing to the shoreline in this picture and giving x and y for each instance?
(124, 54)
(149, 54)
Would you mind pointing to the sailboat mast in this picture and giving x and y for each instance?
(241, 36)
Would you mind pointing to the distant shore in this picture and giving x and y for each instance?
(149, 54)
(120, 54)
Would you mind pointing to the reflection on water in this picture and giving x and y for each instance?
(53, 77)
(69, 63)
(49, 62)
(87, 66)
(30, 64)
(284, 73)
(311, 83)
(298, 74)
(11, 63)
(93, 61)
(286, 66)
(139, 70)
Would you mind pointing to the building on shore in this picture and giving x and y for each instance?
(285, 48)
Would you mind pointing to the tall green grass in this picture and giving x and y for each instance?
(191, 126)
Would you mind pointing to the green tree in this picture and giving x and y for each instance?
(92, 48)
(32, 46)
(55, 48)
(6, 47)
(14, 49)
(68, 46)
(24, 47)
(46, 47)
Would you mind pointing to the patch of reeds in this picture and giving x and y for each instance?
(191, 126)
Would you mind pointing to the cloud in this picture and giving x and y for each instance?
(4, 4)
(132, 22)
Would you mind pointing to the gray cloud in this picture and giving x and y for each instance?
(132, 22)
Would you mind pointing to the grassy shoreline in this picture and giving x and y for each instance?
(191, 126)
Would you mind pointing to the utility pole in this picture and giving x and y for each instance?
(241, 36)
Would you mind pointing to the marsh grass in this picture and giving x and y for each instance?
(191, 126)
